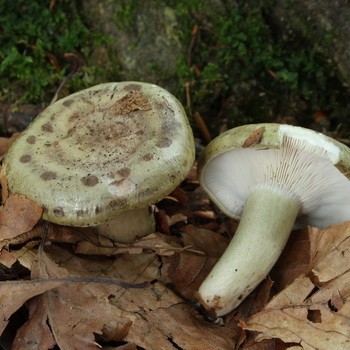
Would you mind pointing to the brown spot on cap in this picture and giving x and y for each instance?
(81, 213)
(31, 139)
(68, 102)
(147, 157)
(48, 175)
(98, 210)
(90, 180)
(58, 212)
(117, 202)
(125, 172)
(122, 187)
(164, 142)
(130, 87)
(74, 116)
(47, 127)
(147, 193)
(71, 131)
(26, 158)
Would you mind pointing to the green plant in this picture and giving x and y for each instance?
(32, 43)
(264, 75)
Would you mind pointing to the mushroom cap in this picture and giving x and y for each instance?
(299, 162)
(100, 151)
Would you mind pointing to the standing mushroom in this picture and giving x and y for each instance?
(101, 151)
(291, 177)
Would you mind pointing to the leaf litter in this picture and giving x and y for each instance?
(69, 288)
(314, 311)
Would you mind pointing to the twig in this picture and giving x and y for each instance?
(202, 126)
(104, 280)
(194, 33)
(78, 279)
(74, 68)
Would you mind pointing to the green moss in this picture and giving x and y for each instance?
(125, 12)
(250, 74)
(32, 43)
(238, 65)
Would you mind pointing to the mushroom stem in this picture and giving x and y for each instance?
(129, 225)
(267, 220)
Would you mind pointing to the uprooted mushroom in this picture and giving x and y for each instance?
(100, 152)
(293, 177)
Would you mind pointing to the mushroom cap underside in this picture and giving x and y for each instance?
(100, 151)
(298, 162)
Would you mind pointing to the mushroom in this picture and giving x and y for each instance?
(293, 177)
(100, 152)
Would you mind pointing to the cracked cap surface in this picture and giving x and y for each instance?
(95, 153)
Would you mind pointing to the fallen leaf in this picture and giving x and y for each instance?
(180, 195)
(160, 318)
(69, 316)
(186, 271)
(256, 300)
(313, 311)
(80, 315)
(13, 294)
(290, 316)
(294, 260)
(161, 244)
(330, 251)
(6, 258)
(4, 186)
(37, 327)
(211, 243)
(254, 138)
(162, 222)
(6, 142)
(176, 218)
(18, 215)
(132, 101)
(26, 255)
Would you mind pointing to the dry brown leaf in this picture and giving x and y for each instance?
(186, 271)
(70, 315)
(5, 143)
(37, 327)
(330, 251)
(4, 186)
(180, 195)
(309, 321)
(6, 258)
(211, 243)
(161, 244)
(18, 215)
(26, 255)
(254, 137)
(162, 222)
(134, 100)
(176, 218)
(160, 318)
(13, 294)
(152, 318)
(270, 344)
(314, 315)
(294, 260)
(256, 301)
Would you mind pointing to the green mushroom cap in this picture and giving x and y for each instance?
(100, 151)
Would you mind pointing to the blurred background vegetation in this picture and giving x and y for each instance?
(233, 62)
